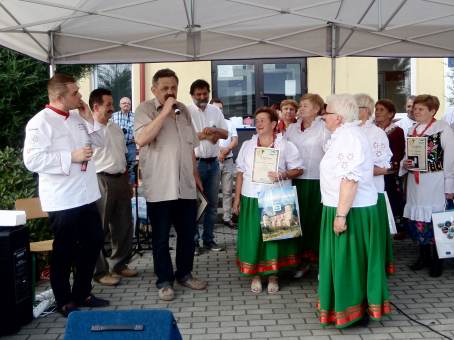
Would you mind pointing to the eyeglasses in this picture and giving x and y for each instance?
(328, 113)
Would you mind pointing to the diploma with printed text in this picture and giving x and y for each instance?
(417, 152)
(265, 160)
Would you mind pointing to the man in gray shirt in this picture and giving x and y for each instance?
(164, 132)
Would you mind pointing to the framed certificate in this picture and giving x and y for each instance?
(417, 152)
(265, 160)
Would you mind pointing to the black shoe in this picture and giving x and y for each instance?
(364, 321)
(67, 309)
(94, 302)
(197, 250)
(230, 224)
(213, 246)
(423, 260)
(436, 265)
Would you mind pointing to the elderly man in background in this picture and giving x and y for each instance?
(125, 120)
(115, 203)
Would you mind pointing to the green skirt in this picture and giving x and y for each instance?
(309, 201)
(352, 273)
(255, 257)
(383, 216)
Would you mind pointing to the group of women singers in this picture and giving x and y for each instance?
(340, 159)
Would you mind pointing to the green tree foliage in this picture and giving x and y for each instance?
(23, 92)
(117, 78)
(17, 182)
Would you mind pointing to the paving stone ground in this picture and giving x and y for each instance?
(227, 310)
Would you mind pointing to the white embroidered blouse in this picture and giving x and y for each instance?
(310, 144)
(348, 156)
(381, 153)
(289, 159)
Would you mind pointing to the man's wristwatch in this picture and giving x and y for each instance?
(341, 216)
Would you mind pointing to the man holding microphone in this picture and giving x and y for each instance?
(58, 147)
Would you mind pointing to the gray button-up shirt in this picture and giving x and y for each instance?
(166, 163)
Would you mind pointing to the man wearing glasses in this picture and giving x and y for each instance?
(125, 119)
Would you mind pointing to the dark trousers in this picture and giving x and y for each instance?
(182, 214)
(78, 239)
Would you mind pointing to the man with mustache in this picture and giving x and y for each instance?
(209, 123)
(115, 203)
(164, 132)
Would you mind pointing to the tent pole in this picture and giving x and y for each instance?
(333, 58)
(51, 55)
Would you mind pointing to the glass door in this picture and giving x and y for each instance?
(244, 85)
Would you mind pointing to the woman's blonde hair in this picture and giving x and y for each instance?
(315, 99)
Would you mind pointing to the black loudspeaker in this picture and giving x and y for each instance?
(16, 307)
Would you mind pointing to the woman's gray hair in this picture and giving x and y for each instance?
(364, 100)
(344, 105)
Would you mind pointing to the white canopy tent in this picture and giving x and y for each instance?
(129, 31)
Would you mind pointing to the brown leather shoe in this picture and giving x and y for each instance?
(125, 272)
(108, 280)
(166, 294)
(194, 283)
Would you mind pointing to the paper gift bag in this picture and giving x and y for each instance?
(443, 223)
(391, 221)
(279, 213)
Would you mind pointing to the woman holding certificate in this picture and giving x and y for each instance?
(431, 178)
(309, 135)
(265, 161)
(352, 278)
(381, 154)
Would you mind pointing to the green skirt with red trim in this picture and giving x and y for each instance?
(352, 278)
(383, 216)
(255, 257)
(309, 201)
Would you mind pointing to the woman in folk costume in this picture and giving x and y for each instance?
(384, 115)
(256, 258)
(427, 191)
(309, 135)
(352, 277)
(381, 154)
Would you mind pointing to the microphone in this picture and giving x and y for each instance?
(176, 109)
(84, 165)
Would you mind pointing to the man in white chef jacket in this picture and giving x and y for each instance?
(58, 146)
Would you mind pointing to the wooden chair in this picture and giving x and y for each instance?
(32, 208)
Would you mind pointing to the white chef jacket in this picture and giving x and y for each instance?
(49, 140)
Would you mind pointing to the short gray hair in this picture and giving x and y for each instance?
(364, 100)
(344, 105)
